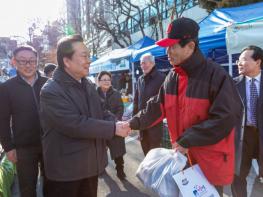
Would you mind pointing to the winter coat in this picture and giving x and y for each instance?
(147, 87)
(19, 102)
(199, 100)
(113, 102)
(74, 145)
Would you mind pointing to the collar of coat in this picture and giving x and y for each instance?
(151, 74)
(61, 75)
(21, 80)
(108, 93)
(192, 65)
(242, 78)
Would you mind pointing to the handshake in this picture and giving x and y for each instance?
(122, 128)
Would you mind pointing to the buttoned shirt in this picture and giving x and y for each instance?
(248, 83)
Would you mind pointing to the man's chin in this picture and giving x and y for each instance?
(86, 72)
(172, 62)
(28, 75)
(241, 72)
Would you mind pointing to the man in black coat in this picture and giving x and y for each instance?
(249, 135)
(73, 123)
(19, 103)
(148, 85)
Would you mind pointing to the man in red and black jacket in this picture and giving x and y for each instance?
(200, 102)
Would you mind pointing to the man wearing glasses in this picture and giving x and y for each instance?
(249, 138)
(19, 104)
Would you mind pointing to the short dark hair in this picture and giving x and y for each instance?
(65, 48)
(24, 48)
(257, 53)
(184, 42)
(49, 67)
(103, 73)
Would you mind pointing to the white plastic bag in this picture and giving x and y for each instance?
(193, 183)
(157, 169)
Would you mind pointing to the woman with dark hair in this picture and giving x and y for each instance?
(113, 102)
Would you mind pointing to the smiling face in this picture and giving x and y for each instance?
(247, 65)
(25, 62)
(105, 82)
(78, 65)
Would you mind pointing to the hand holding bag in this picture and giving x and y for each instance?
(193, 183)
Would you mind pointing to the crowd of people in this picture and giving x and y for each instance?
(63, 123)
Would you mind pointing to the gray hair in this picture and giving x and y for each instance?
(149, 57)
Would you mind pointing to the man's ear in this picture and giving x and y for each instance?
(66, 61)
(13, 62)
(191, 45)
(259, 62)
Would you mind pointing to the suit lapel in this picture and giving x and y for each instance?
(241, 86)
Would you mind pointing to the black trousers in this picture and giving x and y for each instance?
(80, 188)
(249, 152)
(29, 164)
(119, 161)
(149, 143)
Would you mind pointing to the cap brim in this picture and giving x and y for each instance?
(166, 42)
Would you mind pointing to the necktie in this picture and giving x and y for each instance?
(253, 102)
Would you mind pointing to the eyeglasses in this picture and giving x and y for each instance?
(105, 80)
(238, 62)
(25, 62)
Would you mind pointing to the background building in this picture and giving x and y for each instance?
(109, 24)
(73, 16)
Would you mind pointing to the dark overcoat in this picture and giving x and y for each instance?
(113, 102)
(75, 132)
(147, 87)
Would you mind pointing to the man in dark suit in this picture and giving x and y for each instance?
(148, 85)
(249, 135)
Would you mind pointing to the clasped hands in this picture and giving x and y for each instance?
(122, 128)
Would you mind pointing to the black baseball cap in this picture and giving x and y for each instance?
(179, 29)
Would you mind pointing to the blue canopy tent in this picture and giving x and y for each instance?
(142, 43)
(158, 52)
(119, 59)
(155, 50)
(212, 33)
